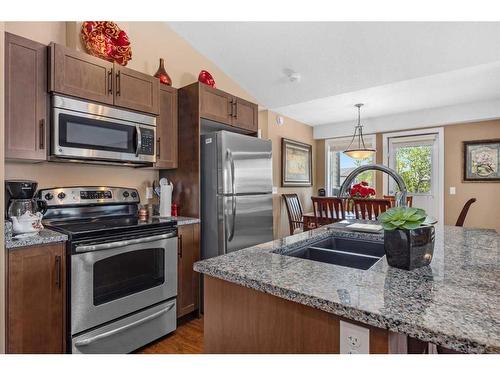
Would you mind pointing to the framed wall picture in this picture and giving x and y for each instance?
(482, 160)
(296, 163)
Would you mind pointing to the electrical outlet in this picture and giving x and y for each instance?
(354, 339)
(275, 190)
(149, 192)
(453, 190)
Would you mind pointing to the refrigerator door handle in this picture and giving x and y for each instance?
(233, 218)
(233, 198)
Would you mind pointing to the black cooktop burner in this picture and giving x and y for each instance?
(86, 228)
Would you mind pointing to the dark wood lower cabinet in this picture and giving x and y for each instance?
(36, 299)
(188, 286)
(243, 320)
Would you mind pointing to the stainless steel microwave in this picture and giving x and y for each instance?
(83, 130)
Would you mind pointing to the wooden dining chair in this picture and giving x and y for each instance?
(392, 200)
(328, 210)
(294, 210)
(369, 209)
(463, 213)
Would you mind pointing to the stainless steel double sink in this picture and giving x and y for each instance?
(344, 252)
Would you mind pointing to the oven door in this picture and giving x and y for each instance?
(110, 280)
(90, 136)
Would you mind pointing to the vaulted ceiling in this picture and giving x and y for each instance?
(392, 67)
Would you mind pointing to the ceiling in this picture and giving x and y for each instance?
(391, 67)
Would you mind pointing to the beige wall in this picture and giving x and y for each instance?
(150, 41)
(293, 130)
(485, 213)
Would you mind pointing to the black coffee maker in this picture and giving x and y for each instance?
(20, 198)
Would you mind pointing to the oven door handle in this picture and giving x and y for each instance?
(139, 140)
(111, 245)
(116, 331)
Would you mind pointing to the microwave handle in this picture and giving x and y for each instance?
(139, 140)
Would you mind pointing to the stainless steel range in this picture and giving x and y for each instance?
(122, 272)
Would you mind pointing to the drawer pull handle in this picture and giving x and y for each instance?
(58, 271)
(90, 340)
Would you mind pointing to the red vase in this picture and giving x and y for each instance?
(162, 74)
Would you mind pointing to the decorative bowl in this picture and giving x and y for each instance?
(106, 40)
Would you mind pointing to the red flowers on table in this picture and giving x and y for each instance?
(362, 190)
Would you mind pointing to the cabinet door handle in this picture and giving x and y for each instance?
(118, 83)
(58, 271)
(42, 134)
(180, 245)
(235, 103)
(231, 108)
(158, 143)
(110, 82)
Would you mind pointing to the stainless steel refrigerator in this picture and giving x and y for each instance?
(236, 192)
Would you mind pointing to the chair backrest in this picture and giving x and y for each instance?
(369, 209)
(463, 213)
(294, 210)
(330, 208)
(392, 200)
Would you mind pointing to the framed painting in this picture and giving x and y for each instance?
(296, 163)
(482, 161)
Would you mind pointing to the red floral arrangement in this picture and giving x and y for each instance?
(106, 40)
(362, 190)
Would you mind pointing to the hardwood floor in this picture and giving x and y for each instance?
(187, 339)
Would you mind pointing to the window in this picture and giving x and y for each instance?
(339, 165)
(412, 158)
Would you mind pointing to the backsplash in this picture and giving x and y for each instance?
(71, 174)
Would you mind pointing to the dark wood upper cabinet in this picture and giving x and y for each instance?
(136, 90)
(188, 286)
(84, 76)
(245, 115)
(36, 299)
(79, 74)
(166, 129)
(219, 106)
(215, 105)
(26, 99)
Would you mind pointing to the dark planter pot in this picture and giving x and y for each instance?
(409, 249)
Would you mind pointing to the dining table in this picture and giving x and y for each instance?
(310, 220)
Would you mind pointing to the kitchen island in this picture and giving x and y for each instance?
(258, 300)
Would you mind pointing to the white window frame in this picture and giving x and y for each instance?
(440, 133)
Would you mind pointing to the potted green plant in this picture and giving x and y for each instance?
(408, 242)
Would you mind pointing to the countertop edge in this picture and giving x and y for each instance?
(376, 320)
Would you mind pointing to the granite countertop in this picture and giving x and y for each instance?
(45, 236)
(181, 220)
(184, 220)
(454, 302)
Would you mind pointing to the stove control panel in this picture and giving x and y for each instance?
(94, 195)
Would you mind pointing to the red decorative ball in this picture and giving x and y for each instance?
(206, 78)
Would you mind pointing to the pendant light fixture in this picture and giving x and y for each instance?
(357, 149)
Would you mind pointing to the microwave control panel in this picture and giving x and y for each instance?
(147, 141)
